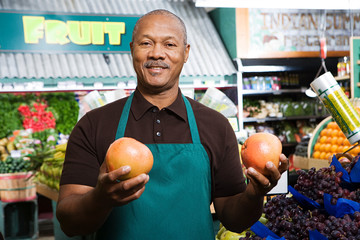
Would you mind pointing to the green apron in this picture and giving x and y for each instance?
(176, 200)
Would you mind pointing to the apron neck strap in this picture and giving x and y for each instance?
(192, 122)
(120, 132)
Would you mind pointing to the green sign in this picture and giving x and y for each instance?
(355, 66)
(52, 32)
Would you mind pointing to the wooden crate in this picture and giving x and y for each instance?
(15, 187)
(307, 163)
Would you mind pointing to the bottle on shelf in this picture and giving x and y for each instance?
(343, 66)
(347, 65)
(340, 67)
(276, 85)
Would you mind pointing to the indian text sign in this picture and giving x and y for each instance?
(281, 32)
(37, 32)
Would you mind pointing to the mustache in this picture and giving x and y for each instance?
(157, 63)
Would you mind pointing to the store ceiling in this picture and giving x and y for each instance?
(208, 56)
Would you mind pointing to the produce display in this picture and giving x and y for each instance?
(38, 112)
(224, 234)
(6, 146)
(25, 145)
(66, 110)
(280, 107)
(14, 165)
(287, 131)
(301, 148)
(9, 115)
(36, 116)
(51, 168)
(331, 140)
(322, 202)
(34, 129)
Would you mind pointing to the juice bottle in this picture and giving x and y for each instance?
(341, 67)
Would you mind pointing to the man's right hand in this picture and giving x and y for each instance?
(83, 209)
(116, 192)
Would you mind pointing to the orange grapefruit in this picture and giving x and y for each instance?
(260, 148)
(127, 151)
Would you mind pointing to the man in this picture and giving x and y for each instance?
(196, 158)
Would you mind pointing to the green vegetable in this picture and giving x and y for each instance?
(66, 110)
(14, 165)
(9, 117)
(63, 105)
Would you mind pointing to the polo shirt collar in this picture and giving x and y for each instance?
(140, 106)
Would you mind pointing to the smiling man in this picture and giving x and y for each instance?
(159, 50)
(196, 157)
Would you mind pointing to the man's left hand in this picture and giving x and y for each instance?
(262, 184)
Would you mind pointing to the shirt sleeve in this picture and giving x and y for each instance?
(81, 165)
(228, 174)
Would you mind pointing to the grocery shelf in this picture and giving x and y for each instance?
(266, 68)
(202, 86)
(273, 92)
(342, 78)
(269, 119)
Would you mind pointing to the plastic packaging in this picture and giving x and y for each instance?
(111, 96)
(339, 105)
(218, 101)
(94, 99)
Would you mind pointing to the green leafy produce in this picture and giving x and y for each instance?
(63, 105)
(251, 106)
(66, 110)
(48, 136)
(9, 117)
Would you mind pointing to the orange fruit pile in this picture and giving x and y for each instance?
(331, 141)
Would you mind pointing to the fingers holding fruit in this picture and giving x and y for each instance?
(120, 192)
(274, 173)
(261, 155)
(123, 175)
(129, 190)
(283, 163)
(264, 183)
(117, 174)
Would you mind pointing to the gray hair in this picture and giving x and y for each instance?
(163, 12)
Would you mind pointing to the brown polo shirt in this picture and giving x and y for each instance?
(96, 130)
